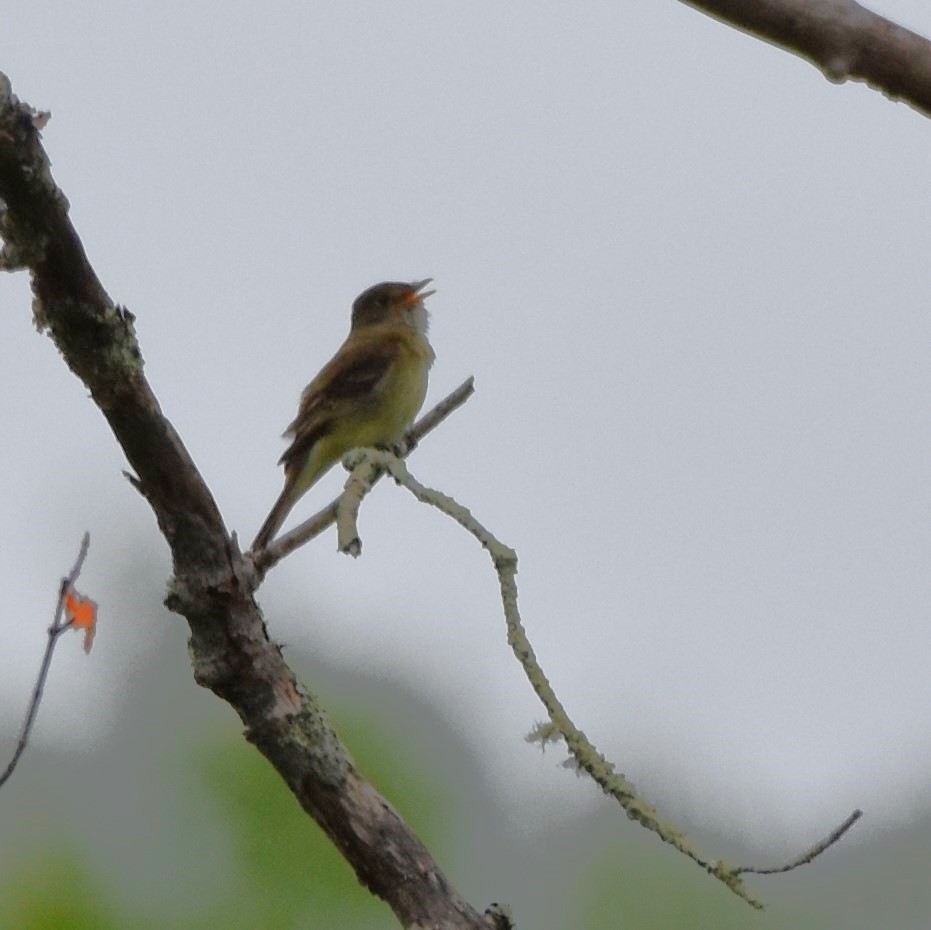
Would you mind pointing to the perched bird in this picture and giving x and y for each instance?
(366, 395)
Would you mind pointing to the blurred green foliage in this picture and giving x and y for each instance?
(288, 874)
(56, 892)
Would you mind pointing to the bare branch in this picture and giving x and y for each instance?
(231, 651)
(587, 758)
(59, 625)
(810, 854)
(843, 39)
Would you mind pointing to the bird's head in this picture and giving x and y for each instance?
(393, 302)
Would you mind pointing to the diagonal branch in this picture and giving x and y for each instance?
(843, 39)
(230, 647)
(371, 464)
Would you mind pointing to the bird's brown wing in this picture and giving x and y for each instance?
(352, 374)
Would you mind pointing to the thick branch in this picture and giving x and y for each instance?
(97, 339)
(844, 40)
(230, 648)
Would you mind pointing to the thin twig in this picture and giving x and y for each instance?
(584, 753)
(54, 631)
(315, 525)
(810, 854)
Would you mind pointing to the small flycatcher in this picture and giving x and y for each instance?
(366, 395)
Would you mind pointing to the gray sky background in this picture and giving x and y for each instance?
(690, 277)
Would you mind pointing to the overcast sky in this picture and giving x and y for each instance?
(690, 277)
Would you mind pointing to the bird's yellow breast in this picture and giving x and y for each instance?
(388, 412)
(402, 393)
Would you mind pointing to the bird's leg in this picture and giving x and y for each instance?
(403, 448)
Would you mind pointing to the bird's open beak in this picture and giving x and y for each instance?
(415, 295)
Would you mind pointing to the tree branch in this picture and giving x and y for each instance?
(369, 465)
(843, 39)
(230, 648)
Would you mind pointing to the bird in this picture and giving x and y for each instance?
(366, 395)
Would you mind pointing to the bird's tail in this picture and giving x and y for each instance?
(286, 500)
